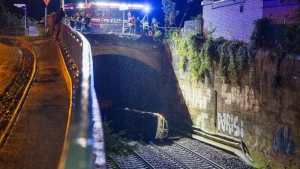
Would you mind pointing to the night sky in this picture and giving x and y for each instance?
(36, 8)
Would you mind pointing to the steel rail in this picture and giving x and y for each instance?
(110, 160)
(140, 157)
(166, 154)
(203, 157)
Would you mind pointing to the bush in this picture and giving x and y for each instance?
(113, 141)
(197, 53)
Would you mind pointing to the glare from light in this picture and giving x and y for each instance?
(82, 142)
(123, 6)
(113, 4)
(81, 5)
(120, 5)
(146, 9)
(102, 3)
(137, 6)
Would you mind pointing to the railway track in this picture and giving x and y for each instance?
(132, 161)
(15, 92)
(158, 158)
(187, 157)
(183, 153)
(218, 156)
(111, 163)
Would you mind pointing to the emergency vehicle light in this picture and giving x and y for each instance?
(119, 5)
(116, 5)
(84, 5)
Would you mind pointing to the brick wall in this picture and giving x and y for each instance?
(233, 24)
(279, 10)
(229, 22)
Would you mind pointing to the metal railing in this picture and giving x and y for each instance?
(84, 144)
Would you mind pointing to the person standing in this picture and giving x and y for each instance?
(87, 22)
(79, 19)
(131, 24)
(137, 25)
(154, 24)
(51, 23)
(129, 15)
(60, 14)
(72, 21)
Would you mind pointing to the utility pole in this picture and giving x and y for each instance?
(25, 20)
(46, 18)
(46, 3)
(21, 6)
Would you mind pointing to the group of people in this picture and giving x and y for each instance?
(80, 22)
(136, 24)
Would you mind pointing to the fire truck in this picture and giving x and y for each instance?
(110, 17)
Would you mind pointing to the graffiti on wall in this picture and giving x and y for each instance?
(230, 125)
(283, 141)
(196, 97)
(200, 120)
(245, 99)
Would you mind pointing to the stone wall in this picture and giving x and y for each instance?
(142, 48)
(135, 72)
(266, 119)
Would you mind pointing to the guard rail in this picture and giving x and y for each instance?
(84, 144)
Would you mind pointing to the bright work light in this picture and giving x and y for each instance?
(146, 9)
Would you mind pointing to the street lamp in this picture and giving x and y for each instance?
(21, 6)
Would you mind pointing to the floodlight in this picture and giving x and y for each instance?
(146, 9)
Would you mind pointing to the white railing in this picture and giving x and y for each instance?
(84, 144)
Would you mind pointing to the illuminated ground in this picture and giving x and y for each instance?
(37, 138)
(10, 59)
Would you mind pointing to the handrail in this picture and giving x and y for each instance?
(84, 144)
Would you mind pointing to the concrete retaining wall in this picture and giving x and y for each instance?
(266, 119)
